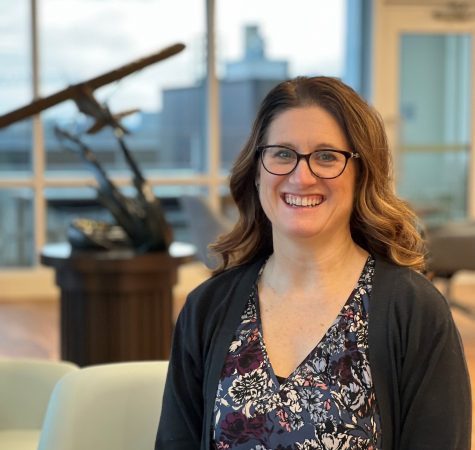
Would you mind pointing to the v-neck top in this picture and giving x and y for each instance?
(327, 402)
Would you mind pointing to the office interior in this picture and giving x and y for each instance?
(412, 59)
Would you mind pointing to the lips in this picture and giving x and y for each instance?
(306, 201)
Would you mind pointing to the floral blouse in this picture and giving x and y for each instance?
(328, 402)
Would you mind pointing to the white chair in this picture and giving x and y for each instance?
(106, 407)
(25, 389)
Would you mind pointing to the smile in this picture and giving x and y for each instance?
(307, 201)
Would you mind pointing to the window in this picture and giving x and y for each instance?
(81, 39)
(16, 234)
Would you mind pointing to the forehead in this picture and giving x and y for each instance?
(309, 125)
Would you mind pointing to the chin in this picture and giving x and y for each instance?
(302, 233)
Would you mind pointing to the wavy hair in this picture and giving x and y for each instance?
(381, 223)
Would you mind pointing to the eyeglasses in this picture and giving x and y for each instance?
(324, 163)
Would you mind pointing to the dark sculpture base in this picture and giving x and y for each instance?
(115, 306)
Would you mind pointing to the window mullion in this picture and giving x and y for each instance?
(38, 159)
(212, 108)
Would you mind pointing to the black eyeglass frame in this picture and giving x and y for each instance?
(346, 153)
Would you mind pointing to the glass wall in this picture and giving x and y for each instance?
(166, 119)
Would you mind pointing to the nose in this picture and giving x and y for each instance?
(302, 174)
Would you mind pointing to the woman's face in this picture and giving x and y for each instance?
(306, 129)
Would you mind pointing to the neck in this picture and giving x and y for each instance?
(312, 268)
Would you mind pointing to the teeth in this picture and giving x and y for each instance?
(308, 202)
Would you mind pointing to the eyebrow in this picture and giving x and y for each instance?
(321, 146)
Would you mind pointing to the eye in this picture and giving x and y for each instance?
(325, 156)
(282, 153)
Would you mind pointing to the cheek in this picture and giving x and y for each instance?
(350, 185)
(268, 184)
(344, 195)
(267, 193)
(350, 196)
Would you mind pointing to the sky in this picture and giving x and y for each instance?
(80, 39)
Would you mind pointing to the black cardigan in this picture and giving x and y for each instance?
(416, 359)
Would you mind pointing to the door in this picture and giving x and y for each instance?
(424, 89)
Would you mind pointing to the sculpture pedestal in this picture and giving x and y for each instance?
(115, 305)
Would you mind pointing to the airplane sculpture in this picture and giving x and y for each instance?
(140, 221)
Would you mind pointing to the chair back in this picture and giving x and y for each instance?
(25, 388)
(106, 407)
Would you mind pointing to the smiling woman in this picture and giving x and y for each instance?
(313, 332)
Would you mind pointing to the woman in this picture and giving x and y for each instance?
(317, 331)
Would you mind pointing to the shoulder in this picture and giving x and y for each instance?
(397, 281)
(405, 294)
(212, 298)
(221, 284)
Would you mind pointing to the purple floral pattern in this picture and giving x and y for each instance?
(327, 403)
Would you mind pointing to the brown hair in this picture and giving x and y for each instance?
(381, 223)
